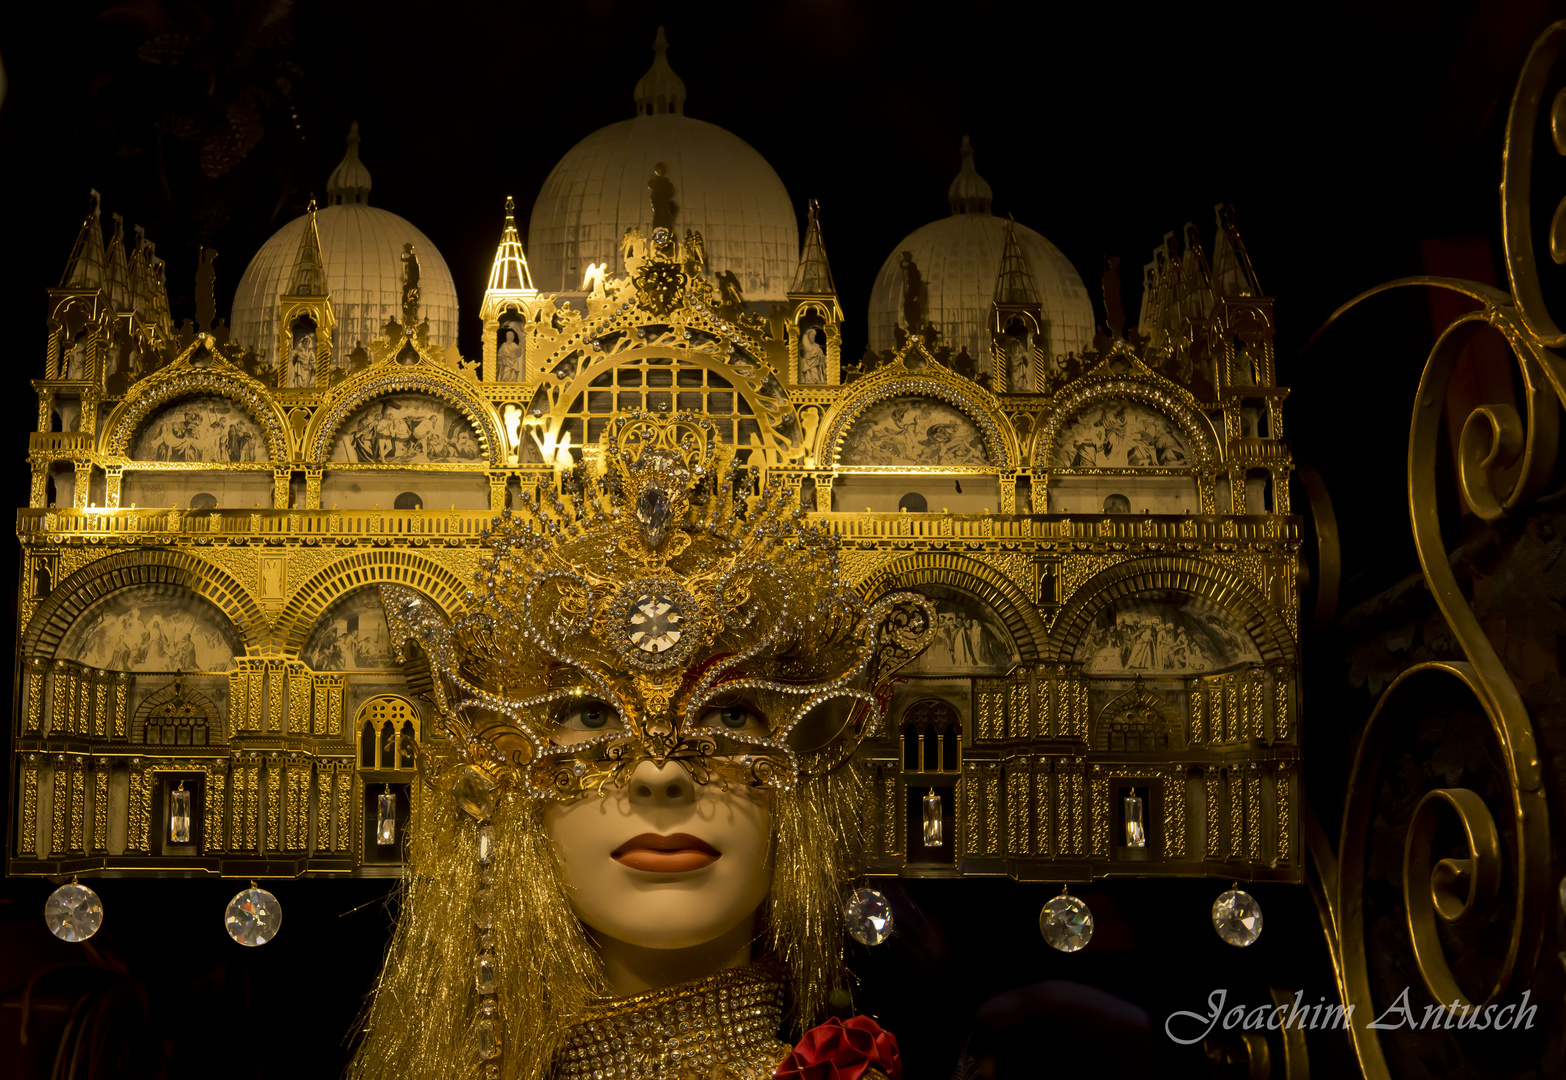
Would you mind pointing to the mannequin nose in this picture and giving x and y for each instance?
(661, 785)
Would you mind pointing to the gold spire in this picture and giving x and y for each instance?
(85, 269)
(1014, 284)
(117, 276)
(1233, 274)
(814, 276)
(509, 274)
(969, 193)
(309, 276)
(660, 90)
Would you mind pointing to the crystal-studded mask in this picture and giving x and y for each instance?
(654, 607)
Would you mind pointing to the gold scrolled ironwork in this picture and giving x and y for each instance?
(1504, 460)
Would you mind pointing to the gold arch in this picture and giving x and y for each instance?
(62, 607)
(180, 380)
(931, 380)
(1139, 384)
(391, 377)
(977, 579)
(393, 565)
(1177, 574)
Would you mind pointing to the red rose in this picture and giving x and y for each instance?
(842, 1050)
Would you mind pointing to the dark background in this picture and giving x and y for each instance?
(1360, 141)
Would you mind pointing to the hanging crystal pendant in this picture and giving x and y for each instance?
(253, 916)
(869, 916)
(1136, 830)
(73, 912)
(932, 820)
(386, 818)
(1066, 923)
(179, 815)
(1237, 917)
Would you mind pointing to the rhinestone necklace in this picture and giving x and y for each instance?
(723, 1027)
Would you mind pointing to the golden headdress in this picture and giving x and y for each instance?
(655, 579)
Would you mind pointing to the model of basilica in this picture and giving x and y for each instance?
(1098, 513)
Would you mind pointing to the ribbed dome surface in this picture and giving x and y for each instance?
(958, 259)
(361, 246)
(721, 187)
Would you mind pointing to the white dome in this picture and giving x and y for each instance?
(959, 259)
(362, 247)
(721, 188)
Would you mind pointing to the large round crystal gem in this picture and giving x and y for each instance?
(1237, 917)
(1066, 923)
(73, 912)
(869, 916)
(654, 623)
(253, 916)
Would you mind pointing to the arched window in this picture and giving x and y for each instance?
(388, 733)
(1117, 504)
(914, 503)
(203, 501)
(932, 737)
(409, 500)
(177, 716)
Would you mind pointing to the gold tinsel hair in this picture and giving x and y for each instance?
(419, 1024)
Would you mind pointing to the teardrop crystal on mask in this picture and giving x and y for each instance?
(1237, 917)
(73, 912)
(1066, 923)
(475, 793)
(869, 916)
(253, 917)
(653, 512)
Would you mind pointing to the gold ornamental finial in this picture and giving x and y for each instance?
(660, 90)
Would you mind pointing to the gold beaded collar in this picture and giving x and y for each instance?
(723, 1027)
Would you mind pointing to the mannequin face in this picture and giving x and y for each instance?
(665, 863)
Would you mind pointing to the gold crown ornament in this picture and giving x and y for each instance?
(653, 607)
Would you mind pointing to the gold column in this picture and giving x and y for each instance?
(77, 840)
(246, 809)
(39, 487)
(27, 838)
(1236, 813)
(1195, 698)
(1174, 814)
(296, 804)
(276, 698)
(323, 806)
(101, 725)
(1280, 689)
(1100, 814)
(1283, 815)
(139, 809)
(36, 673)
(992, 799)
(281, 479)
(313, 488)
(60, 805)
(1018, 808)
(344, 792)
(274, 797)
(1253, 822)
(122, 682)
(1214, 806)
(83, 484)
(100, 805)
(216, 805)
(298, 700)
(112, 476)
(1046, 799)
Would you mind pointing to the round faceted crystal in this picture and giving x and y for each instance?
(654, 623)
(73, 912)
(869, 917)
(253, 916)
(1066, 923)
(1237, 917)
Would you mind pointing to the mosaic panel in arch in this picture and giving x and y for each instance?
(1121, 434)
(969, 636)
(1162, 632)
(153, 628)
(351, 636)
(407, 429)
(204, 428)
(914, 431)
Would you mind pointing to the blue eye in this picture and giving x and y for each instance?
(583, 720)
(733, 716)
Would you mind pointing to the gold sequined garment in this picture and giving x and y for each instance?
(723, 1027)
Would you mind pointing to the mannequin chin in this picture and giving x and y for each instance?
(666, 874)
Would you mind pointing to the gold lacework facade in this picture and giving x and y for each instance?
(1111, 554)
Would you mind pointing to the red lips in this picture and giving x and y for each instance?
(677, 853)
